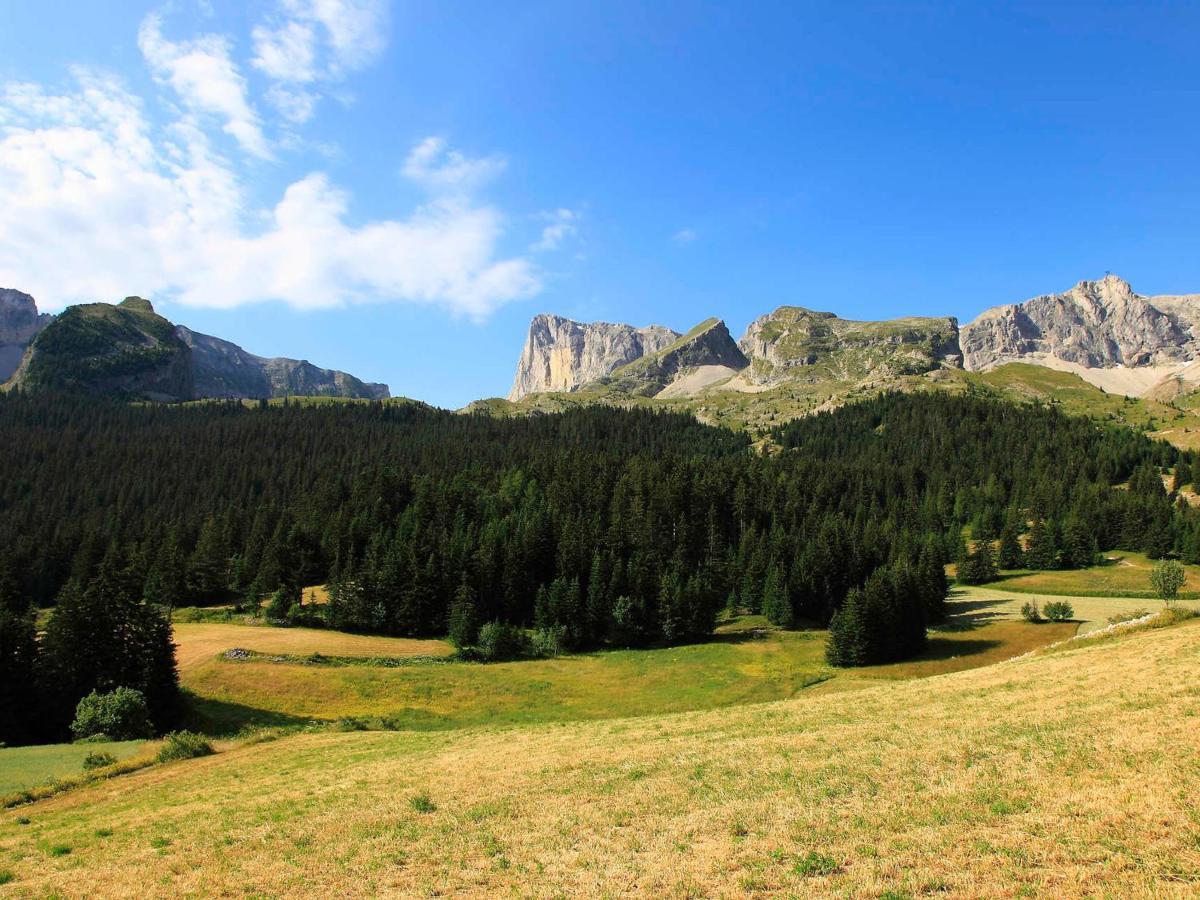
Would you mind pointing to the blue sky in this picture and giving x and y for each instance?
(395, 188)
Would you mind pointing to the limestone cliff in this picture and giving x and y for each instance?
(563, 355)
(1095, 325)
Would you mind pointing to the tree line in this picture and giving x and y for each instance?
(597, 526)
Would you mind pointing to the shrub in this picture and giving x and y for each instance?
(1059, 611)
(499, 640)
(184, 745)
(1030, 612)
(548, 641)
(121, 714)
(98, 760)
(1128, 617)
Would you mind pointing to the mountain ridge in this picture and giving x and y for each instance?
(128, 350)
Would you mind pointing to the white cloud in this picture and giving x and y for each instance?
(562, 226)
(684, 236)
(439, 169)
(310, 44)
(99, 204)
(206, 79)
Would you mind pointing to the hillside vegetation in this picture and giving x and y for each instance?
(1069, 774)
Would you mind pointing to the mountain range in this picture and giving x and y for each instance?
(1111, 337)
(129, 351)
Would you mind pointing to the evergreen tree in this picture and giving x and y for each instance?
(1009, 554)
(776, 602)
(19, 705)
(463, 624)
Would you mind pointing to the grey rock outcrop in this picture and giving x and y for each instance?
(1096, 324)
(223, 369)
(793, 342)
(20, 323)
(709, 344)
(563, 355)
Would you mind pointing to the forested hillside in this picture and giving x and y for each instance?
(596, 526)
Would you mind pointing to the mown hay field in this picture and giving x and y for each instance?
(1064, 774)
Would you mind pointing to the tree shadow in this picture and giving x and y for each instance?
(940, 648)
(219, 718)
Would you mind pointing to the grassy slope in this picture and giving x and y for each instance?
(1080, 779)
(746, 663)
(26, 767)
(1124, 575)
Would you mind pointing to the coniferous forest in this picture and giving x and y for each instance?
(597, 526)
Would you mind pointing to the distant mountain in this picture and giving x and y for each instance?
(223, 369)
(19, 325)
(130, 351)
(1100, 336)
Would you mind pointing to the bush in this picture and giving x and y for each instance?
(98, 760)
(499, 640)
(121, 715)
(184, 745)
(1128, 617)
(1059, 611)
(1030, 612)
(548, 641)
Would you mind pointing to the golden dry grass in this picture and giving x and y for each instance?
(199, 643)
(999, 604)
(1070, 774)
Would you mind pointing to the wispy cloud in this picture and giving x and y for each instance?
(563, 224)
(307, 45)
(206, 81)
(684, 236)
(435, 166)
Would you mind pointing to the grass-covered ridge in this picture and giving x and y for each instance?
(1079, 780)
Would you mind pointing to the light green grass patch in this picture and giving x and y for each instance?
(25, 767)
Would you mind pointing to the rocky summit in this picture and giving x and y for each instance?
(1096, 324)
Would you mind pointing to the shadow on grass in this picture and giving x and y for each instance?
(940, 648)
(219, 718)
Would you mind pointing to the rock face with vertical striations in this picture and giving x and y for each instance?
(1095, 325)
(563, 355)
(20, 323)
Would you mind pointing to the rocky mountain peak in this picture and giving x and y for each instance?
(1095, 324)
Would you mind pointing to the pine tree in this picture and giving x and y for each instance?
(776, 602)
(1010, 555)
(463, 621)
(18, 657)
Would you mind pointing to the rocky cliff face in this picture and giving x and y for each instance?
(223, 369)
(1096, 324)
(19, 325)
(708, 346)
(563, 355)
(796, 343)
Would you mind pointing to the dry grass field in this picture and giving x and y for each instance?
(199, 643)
(1067, 774)
(997, 602)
